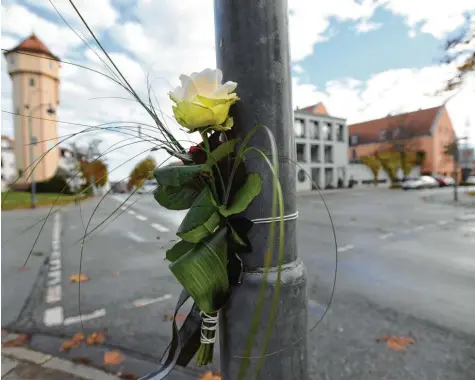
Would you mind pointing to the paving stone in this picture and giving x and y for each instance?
(7, 365)
(78, 370)
(25, 354)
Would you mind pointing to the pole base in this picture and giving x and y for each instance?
(289, 333)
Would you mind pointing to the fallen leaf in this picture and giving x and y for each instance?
(113, 358)
(96, 338)
(82, 360)
(20, 340)
(209, 376)
(396, 343)
(75, 341)
(126, 375)
(23, 269)
(79, 277)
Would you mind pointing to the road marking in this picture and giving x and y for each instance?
(419, 228)
(141, 217)
(135, 237)
(85, 317)
(148, 301)
(131, 212)
(159, 227)
(123, 208)
(53, 316)
(385, 236)
(442, 223)
(466, 217)
(345, 248)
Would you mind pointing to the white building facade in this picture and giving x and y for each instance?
(9, 173)
(321, 149)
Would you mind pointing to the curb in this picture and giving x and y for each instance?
(12, 357)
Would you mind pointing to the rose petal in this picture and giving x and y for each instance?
(205, 81)
(225, 90)
(189, 88)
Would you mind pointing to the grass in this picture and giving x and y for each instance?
(16, 200)
(471, 193)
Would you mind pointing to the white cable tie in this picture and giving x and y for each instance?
(212, 326)
(293, 216)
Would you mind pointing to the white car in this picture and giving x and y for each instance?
(148, 187)
(470, 180)
(424, 182)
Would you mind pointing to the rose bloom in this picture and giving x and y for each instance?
(202, 101)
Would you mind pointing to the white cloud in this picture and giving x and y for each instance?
(365, 26)
(298, 69)
(435, 20)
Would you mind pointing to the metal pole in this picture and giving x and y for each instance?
(456, 198)
(32, 159)
(252, 49)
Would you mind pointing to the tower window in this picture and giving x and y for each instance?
(50, 64)
(12, 59)
(32, 82)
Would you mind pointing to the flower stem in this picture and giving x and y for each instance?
(205, 352)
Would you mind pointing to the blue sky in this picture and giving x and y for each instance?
(363, 59)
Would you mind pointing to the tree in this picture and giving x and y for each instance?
(461, 50)
(142, 171)
(374, 164)
(95, 169)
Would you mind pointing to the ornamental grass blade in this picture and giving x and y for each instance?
(223, 150)
(201, 220)
(203, 272)
(245, 195)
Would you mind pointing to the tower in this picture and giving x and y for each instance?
(34, 71)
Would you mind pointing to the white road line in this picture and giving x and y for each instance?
(53, 316)
(131, 212)
(159, 227)
(141, 217)
(345, 248)
(123, 208)
(419, 228)
(85, 317)
(442, 223)
(148, 301)
(385, 236)
(135, 237)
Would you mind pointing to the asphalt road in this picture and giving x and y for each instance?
(405, 267)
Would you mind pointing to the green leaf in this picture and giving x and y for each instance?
(202, 271)
(223, 150)
(201, 220)
(178, 250)
(244, 196)
(176, 198)
(176, 176)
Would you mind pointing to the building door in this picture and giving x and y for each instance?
(328, 177)
(315, 178)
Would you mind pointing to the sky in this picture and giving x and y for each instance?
(363, 59)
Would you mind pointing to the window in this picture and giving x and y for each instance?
(300, 152)
(12, 59)
(327, 131)
(314, 130)
(328, 177)
(328, 154)
(299, 128)
(315, 153)
(382, 134)
(341, 133)
(301, 175)
(396, 132)
(32, 82)
(50, 64)
(354, 140)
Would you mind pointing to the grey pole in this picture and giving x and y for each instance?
(252, 49)
(32, 160)
(456, 196)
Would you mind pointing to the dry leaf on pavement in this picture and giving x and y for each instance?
(126, 376)
(78, 277)
(396, 343)
(96, 338)
(209, 376)
(20, 340)
(82, 360)
(113, 358)
(75, 341)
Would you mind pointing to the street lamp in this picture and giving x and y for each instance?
(455, 152)
(33, 142)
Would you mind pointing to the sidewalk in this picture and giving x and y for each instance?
(447, 197)
(21, 363)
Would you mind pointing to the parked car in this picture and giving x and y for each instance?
(148, 187)
(424, 182)
(470, 180)
(444, 181)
